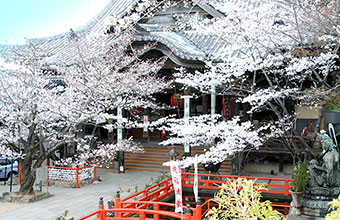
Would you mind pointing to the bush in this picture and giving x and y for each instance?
(335, 206)
(240, 199)
(64, 216)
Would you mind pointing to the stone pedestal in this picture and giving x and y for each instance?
(18, 198)
(304, 217)
(315, 205)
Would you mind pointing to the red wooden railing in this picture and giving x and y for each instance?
(65, 168)
(212, 181)
(148, 198)
(156, 211)
(207, 206)
(282, 207)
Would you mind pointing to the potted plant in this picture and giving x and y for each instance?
(298, 186)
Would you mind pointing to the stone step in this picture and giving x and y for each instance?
(154, 156)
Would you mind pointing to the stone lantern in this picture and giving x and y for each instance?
(172, 153)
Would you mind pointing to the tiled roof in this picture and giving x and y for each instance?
(186, 45)
(179, 45)
(58, 47)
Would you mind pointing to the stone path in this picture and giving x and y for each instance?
(79, 202)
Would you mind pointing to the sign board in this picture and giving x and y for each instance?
(177, 184)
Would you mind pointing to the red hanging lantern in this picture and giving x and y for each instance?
(177, 100)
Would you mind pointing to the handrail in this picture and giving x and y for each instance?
(89, 215)
(206, 182)
(151, 195)
(102, 213)
(68, 168)
(167, 185)
(206, 203)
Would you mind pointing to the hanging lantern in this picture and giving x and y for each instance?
(227, 107)
(177, 100)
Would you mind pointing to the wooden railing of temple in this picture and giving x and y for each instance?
(145, 204)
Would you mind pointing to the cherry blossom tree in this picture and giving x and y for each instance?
(224, 138)
(277, 55)
(33, 112)
(42, 107)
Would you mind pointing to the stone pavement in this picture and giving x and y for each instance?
(79, 201)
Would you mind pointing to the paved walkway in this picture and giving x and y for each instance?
(79, 202)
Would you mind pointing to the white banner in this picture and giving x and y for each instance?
(196, 180)
(177, 184)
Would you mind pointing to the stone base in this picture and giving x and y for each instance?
(315, 206)
(304, 217)
(16, 197)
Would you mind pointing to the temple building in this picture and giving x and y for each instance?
(184, 48)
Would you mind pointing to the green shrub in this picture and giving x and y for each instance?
(240, 199)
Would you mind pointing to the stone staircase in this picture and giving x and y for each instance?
(155, 156)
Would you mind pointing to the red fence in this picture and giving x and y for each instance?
(211, 181)
(146, 202)
(77, 169)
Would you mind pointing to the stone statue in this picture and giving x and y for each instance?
(317, 174)
(329, 158)
(324, 171)
(323, 180)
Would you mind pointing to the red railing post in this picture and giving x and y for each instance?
(187, 216)
(198, 212)
(166, 186)
(94, 172)
(77, 177)
(145, 193)
(141, 215)
(101, 212)
(287, 188)
(182, 177)
(156, 208)
(118, 205)
(19, 173)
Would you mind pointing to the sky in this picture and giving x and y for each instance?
(20, 19)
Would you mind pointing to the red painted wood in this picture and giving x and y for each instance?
(149, 197)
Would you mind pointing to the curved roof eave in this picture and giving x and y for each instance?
(176, 43)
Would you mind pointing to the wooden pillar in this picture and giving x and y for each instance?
(205, 104)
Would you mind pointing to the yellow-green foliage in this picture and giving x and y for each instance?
(64, 216)
(240, 199)
(335, 206)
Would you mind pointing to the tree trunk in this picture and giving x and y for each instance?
(27, 177)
